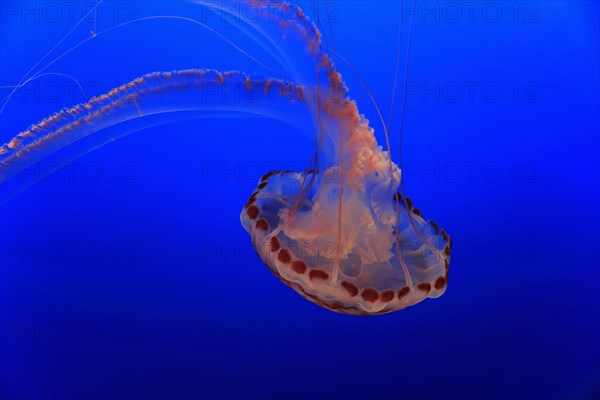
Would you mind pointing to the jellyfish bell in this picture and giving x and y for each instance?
(348, 242)
(338, 232)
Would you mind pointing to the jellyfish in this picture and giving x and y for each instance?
(341, 233)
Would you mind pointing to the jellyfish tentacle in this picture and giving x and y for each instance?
(151, 95)
(38, 76)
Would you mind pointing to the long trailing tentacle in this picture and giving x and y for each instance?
(153, 94)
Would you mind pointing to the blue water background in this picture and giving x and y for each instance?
(127, 274)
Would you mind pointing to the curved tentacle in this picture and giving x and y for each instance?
(171, 93)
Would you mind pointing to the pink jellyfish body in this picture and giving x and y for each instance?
(338, 233)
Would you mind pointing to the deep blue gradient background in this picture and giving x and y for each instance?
(127, 275)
